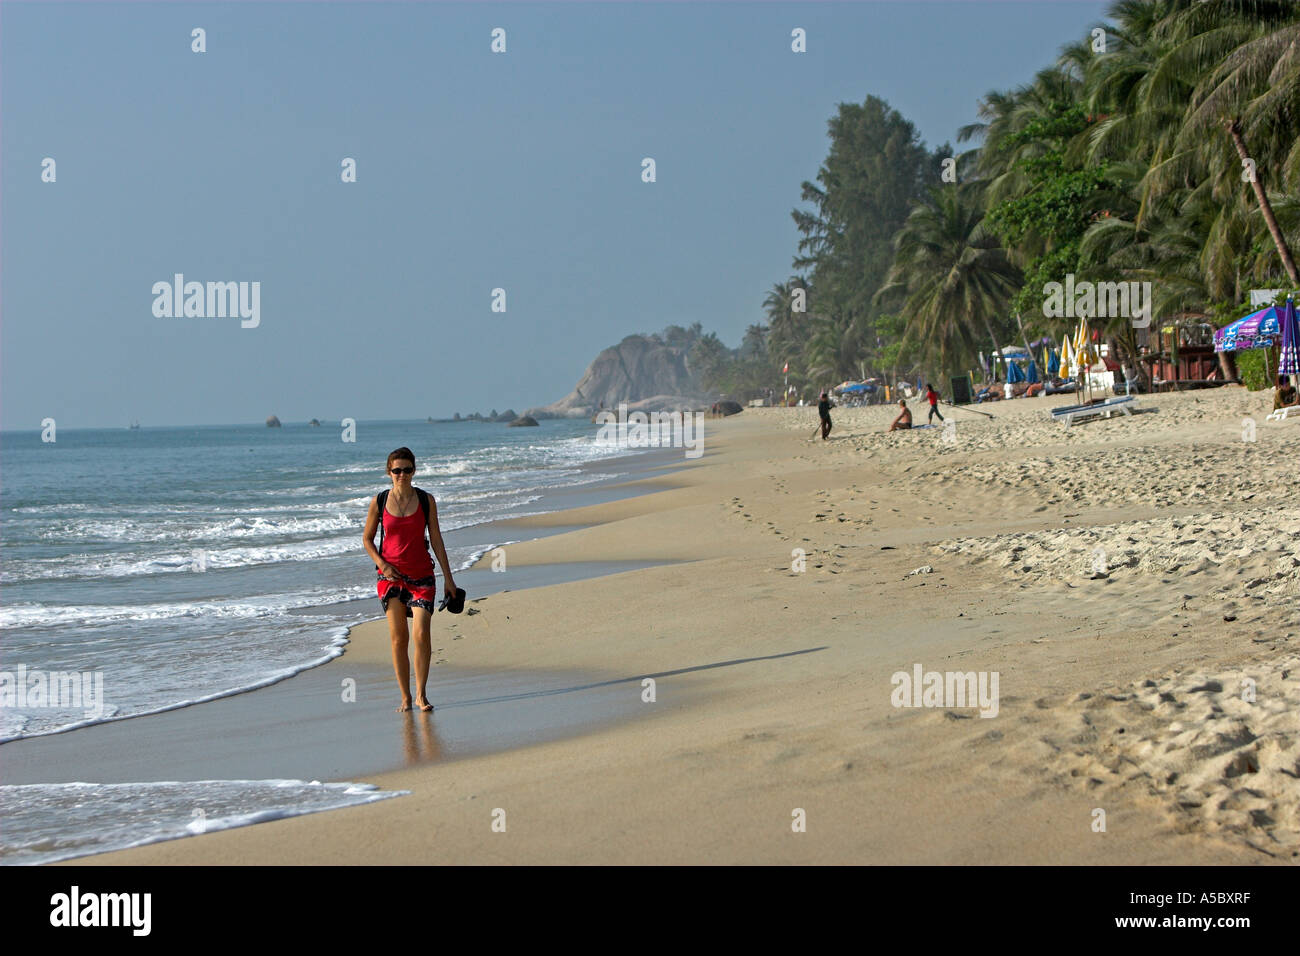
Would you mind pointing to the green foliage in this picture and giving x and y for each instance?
(1051, 267)
(1252, 369)
(709, 360)
(1059, 208)
(679, 337)
(876, 169)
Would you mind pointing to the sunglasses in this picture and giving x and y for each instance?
(402, 471)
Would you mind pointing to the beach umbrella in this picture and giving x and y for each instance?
(1067, 359)
(1053, 362)
(1082, 351)
(1289, 362)
(1014, 374)
(1032, 374)
(1255, 331)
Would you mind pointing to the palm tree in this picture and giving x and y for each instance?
(787, 329)
(952, 277)
(1245, 57)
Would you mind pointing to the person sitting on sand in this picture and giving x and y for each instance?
(824, 413)
(1285, 394)
(904, 419)
(406, 571)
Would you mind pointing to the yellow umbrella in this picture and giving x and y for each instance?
(1082, 347)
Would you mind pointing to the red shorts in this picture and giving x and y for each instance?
(413, 593)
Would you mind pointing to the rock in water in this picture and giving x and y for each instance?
(314, 421)
(523, 420)
(272, 422)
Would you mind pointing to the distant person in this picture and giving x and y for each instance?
(904, 419)
(1130, 378)
(407, 586)
(824, 413)
(1285, 394)
(932, 397)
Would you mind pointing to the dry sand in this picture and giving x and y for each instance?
(1154, 680)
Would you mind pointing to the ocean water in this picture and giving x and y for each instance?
(116, 816)
(185, 564)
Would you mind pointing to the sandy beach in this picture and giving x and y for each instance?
(1133, 583)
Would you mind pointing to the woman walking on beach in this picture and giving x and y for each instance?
(407, 586)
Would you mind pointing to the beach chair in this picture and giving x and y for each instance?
(1074, 413)
(1283, 413)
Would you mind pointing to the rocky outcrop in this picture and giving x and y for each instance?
(523, 420)
(272, 422)
(508, 416)
(315, 421)
(641, 372)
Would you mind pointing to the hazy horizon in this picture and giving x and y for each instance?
(474, 171)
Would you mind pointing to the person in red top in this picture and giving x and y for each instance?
(406, 571)
(932, 397)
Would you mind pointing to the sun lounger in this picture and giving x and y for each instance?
(1283, 413)
(1072, 413)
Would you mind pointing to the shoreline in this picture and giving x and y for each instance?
(291, 728)
(774, 685)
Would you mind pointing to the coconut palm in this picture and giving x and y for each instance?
(951, 276)
(787, 329)
(1231, 70)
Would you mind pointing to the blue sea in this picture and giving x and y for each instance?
(187, 564)
(191, 563)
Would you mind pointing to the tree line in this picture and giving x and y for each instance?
(1163, 146)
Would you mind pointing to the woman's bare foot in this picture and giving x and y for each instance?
(406, 705)
(423, 704)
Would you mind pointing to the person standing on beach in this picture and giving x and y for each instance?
(407, 585)
(824, 413)
(932, 397)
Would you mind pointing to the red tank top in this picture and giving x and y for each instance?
(404, 544)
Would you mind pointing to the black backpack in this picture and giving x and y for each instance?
(382, 500)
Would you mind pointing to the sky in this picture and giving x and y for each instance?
(475, 171)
